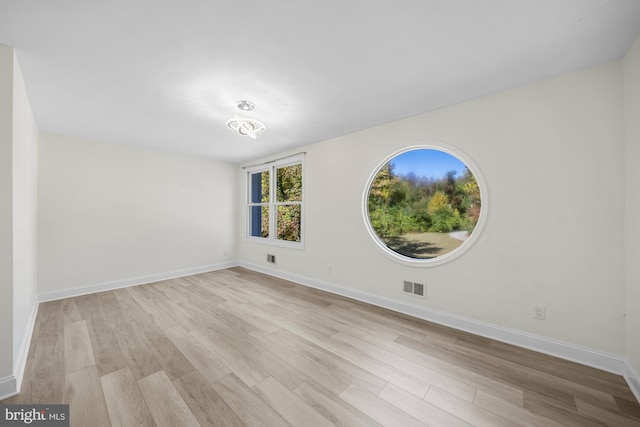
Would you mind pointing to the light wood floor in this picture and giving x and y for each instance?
(234, 347)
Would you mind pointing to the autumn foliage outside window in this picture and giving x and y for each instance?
(421, 209)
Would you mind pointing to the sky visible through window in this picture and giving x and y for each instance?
(427, 163)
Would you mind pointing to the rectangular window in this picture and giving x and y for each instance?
(274, 202)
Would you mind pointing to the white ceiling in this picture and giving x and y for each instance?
(168, 74)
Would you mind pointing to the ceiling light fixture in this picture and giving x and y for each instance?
(244, 126)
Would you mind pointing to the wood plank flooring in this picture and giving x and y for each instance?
(238, 348)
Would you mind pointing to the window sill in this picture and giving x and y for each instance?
(276, 243)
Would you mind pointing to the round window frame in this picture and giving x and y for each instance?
(449, 256)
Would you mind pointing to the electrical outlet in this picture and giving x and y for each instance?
(329, 269)
(539, 312)
(271, 258)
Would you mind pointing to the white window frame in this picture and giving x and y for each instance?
(442, 259)
(271, 167)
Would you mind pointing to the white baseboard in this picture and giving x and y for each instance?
(8, 387)
(583, 355)
(633, 379)
(134, 281)
(21, 360)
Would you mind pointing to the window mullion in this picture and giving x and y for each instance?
(273, 215)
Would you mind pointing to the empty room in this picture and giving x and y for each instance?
(320, 213)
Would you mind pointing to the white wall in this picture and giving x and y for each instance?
(6, 214)
(632, 156)
(552, 156)
(18, 213)
(120, 214)
(25, 197)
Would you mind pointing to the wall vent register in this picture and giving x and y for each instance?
(414, 288)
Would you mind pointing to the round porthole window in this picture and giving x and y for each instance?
(425, 205)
